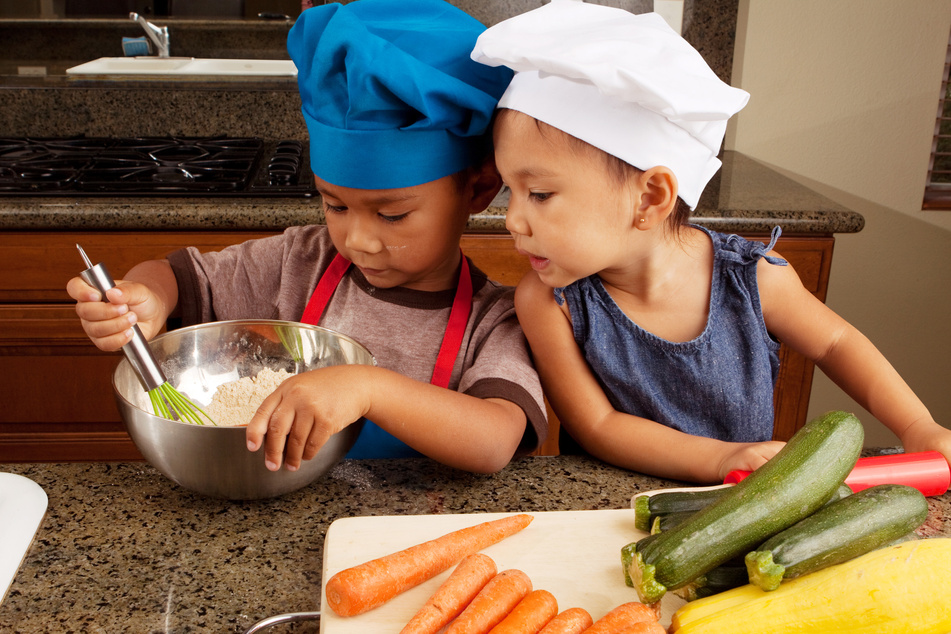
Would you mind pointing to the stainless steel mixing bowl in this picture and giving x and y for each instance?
(215, 461)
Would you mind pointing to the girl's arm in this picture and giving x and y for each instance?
(846, 356)
(621, 439)
(462, 431)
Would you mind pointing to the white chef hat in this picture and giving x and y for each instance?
(625, 83)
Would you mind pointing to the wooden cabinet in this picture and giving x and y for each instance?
(56, 401)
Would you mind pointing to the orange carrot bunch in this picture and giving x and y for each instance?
(492, 604)
(475, 598)
(355, 590)
(531, 614)
(507, 604)
(571, 621)
(628, 618)
(452, 597)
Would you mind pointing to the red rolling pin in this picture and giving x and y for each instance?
(927, 471)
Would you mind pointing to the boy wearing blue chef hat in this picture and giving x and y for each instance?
(397, 115)
(656, 340)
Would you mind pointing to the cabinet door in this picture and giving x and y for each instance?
(55, 385)
(44, 262)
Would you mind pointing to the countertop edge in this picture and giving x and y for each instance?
(257, 214)
(745, 197)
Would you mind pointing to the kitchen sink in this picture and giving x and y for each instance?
(190, 66)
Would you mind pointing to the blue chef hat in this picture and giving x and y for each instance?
(390, 95)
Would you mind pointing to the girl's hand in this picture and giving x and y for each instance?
(747, 456)
(927, 435)
(109, 323)
(306, 410)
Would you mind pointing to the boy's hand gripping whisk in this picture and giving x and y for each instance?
(166, 400)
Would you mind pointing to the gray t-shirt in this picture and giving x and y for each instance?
(274, 277)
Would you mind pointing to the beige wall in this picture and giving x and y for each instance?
(844, 97)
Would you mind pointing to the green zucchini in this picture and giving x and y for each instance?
(843, 491)
(838, 532)
(790, 486)
(722, 578)
(666, 521)
(733, 573)
(910, 537)
(627, 558)
(647, 507)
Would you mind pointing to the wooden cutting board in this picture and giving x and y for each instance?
(575, 555)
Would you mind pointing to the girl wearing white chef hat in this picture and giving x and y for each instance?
(658, 348)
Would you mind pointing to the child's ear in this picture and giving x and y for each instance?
(658, 197)
(486, 183)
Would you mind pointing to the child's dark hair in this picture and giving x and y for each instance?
(620, 170)
(480, 152)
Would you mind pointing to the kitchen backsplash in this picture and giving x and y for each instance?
(55, 106)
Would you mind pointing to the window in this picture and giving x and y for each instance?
(938, 187)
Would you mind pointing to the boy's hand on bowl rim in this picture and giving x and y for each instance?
(295, 421)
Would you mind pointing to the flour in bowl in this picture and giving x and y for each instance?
(235, 403)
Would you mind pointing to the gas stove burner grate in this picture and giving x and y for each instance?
(105, 166)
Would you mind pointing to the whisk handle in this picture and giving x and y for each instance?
(137, 351)
(139, 354)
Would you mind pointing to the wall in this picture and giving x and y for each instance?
(844, 97)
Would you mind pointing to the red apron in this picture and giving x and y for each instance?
(373, 441)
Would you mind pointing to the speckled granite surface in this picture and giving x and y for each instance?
(123, 549)
(264, 109)
(745, 197)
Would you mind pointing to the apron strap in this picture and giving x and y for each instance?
(455, 329)
(373, 441)
(325, 290)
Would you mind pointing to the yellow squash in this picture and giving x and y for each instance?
(901, 589)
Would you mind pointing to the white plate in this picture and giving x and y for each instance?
(22, 507)
(575, 555)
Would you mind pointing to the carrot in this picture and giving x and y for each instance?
(530, 615)
(371, 584)
(645, 627)
(571, 621)
(621, 617)
(453, 595)
(492, 604)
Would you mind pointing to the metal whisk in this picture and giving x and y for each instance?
(166, 400)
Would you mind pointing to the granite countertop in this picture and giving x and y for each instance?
(746, 196)
(122, 548)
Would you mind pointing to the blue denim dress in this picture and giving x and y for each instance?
(719, 385)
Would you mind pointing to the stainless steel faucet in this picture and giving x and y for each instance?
(158, 35)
